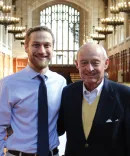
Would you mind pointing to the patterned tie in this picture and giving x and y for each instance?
(43, 139)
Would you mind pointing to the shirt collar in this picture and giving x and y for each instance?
(32, 73)
(97, 90)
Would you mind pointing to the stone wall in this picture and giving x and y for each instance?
(31, 16)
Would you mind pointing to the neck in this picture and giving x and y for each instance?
(91, 86)
(41, 71)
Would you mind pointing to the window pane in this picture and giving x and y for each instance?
(64, 22)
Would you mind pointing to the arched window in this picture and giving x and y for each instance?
(64, 22)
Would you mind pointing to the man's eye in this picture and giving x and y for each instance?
(95, 63)
(36, 45)
(85, 62)
(47, 45)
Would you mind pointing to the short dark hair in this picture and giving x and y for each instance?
(38, 28)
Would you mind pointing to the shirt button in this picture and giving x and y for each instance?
(86, 145)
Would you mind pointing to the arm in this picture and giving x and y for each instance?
(5, 114)
(127, 130)
(60, 122)
(124, 98)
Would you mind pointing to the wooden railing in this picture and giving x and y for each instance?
(74, 77)
(119, 67)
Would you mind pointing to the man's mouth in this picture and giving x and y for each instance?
(90, 75)
(41, 57)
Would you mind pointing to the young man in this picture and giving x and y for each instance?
(95, 112)
(19, 98)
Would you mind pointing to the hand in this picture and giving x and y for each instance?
(6, 137)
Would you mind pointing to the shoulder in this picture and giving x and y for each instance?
(119, 87)
(74, 86)
(55, 75)
(12, 78)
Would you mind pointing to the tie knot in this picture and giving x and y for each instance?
(40, 78)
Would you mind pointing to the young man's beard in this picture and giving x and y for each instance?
(42, 65)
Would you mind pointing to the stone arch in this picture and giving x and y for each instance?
(85, 14)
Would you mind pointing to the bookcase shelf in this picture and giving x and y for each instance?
(19, 64)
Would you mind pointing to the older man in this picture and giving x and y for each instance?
(95, 112)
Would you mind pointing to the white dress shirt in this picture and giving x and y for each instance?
(91, 96)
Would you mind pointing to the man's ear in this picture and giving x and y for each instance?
(106, 64)
(26, 48)
(76, 63)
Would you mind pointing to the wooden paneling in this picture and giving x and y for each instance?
(120, 62)
(19, 64)
(1, 65)
(5, 65)
(74, 77)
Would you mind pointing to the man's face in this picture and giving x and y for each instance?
(91, 64)
(39, 50)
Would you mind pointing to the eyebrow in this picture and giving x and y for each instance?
(41, 42)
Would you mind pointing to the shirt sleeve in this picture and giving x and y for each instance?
(5, 114)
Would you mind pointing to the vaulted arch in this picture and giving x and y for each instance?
(69, 23)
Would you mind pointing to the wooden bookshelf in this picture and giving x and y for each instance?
(19, 64)
(74, 77)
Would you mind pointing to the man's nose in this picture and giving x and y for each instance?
(89, 67)
(42, 49)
